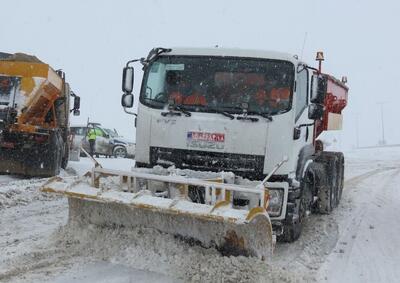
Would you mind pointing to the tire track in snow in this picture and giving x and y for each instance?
(358, 240)
(320, 233)
(306, 255)
(359, 178)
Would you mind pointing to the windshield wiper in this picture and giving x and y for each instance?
(262, 114)
(173, 108)
(233, 108)
(171, 113)
(226, 114)
(212, 109)
(245, 112)
(187, 113)
(245, 117)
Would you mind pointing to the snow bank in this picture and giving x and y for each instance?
(148, 249)
(21, 192)
(36, 247)
(86, 164)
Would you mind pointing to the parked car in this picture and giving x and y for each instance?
(108, 142)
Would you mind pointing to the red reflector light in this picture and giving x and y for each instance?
(40, 139)
(7, 144)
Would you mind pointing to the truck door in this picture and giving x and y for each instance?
(303, 130)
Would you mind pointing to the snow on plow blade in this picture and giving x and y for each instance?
(214, 223)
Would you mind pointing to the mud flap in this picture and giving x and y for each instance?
(23, 163)
(38, 160)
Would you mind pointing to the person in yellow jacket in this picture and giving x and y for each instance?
(92, 140)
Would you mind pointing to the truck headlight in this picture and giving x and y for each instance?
(275, 202)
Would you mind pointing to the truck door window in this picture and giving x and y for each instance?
(7, 88)
(301, 92)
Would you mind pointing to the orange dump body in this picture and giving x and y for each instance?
(39, 86)
(335, 101)
(34, 117)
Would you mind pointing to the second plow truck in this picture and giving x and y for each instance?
(34, 116)
(226, 150)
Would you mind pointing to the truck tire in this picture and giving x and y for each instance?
(53, 155)
(334, 164)
(340, 175)
(293, 223)
(324, 189)
(319, 185)
(65, 157)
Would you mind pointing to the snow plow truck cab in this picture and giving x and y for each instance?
(240, 174)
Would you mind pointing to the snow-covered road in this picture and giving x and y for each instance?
(367, 249)
(356, 243)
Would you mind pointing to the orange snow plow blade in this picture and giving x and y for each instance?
(214, 223)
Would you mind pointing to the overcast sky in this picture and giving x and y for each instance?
(92, 40)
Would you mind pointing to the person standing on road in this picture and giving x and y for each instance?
(92, 140)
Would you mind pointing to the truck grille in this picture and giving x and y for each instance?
(250, 166)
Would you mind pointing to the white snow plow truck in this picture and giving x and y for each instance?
(34, 116)
(237, 131)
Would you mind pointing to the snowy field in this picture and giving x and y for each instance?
(358, 242)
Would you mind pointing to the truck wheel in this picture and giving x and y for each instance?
(57, 155)
(296, 215)
(120, 151)
(324, 190)
(293, 223)
(317, 176)
(51, 157)
(334, 162)
(340, 164)
(64, 163)
(65, 157)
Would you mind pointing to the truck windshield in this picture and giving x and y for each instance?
(208, 83)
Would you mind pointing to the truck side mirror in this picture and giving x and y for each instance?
(315, 111)
(127, 79)
(77, 102)
(318, 88)
(127, 100)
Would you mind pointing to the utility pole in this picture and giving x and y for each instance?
(357, 133)
(383, 141)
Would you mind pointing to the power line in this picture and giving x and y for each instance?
(383, 141)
